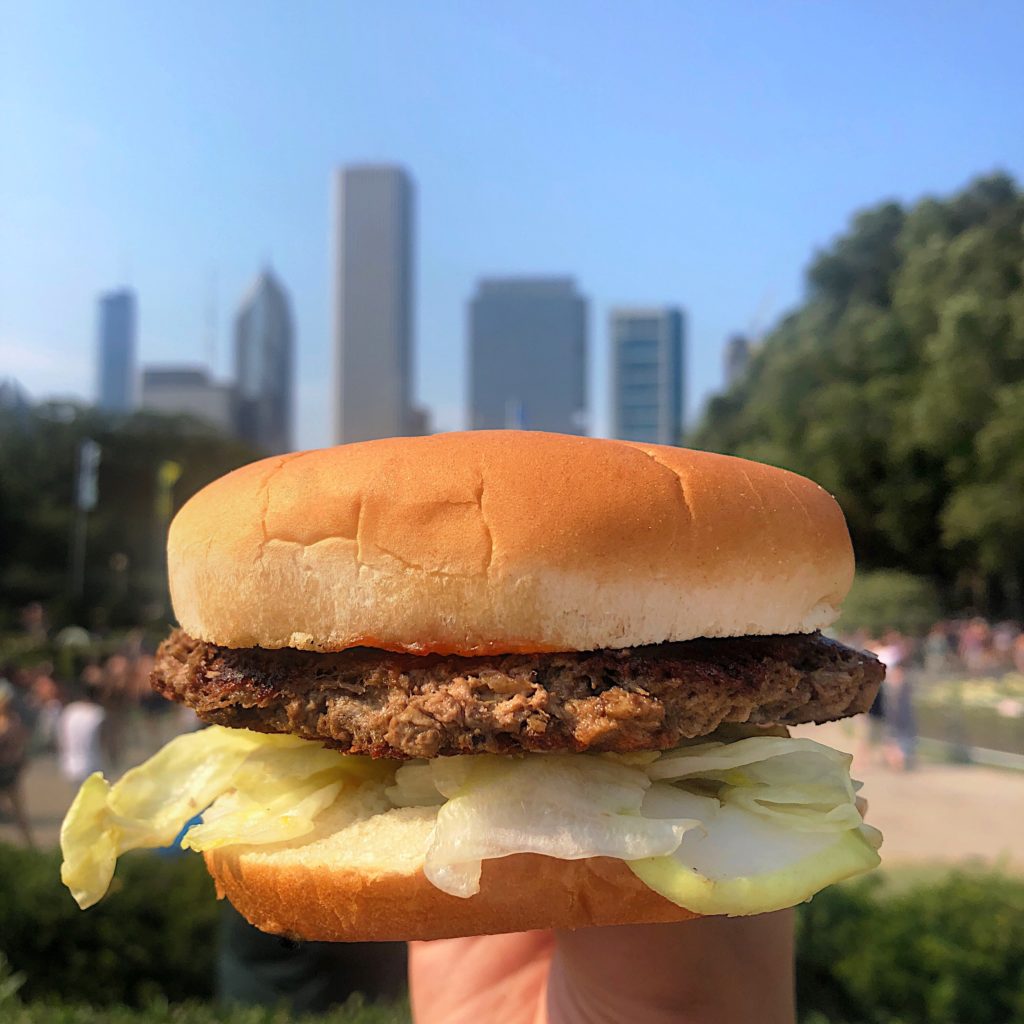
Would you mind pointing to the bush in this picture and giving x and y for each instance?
(353, 1012)
(889, 599)
(940, 953)
(153, 936)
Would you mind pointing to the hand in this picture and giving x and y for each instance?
(711, 971)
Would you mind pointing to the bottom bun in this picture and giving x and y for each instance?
(365, 882)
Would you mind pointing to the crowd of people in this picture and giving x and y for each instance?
(952, 647)
(87, 722)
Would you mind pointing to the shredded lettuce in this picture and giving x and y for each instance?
(262, 788)
(721, 826)
(562, 805)
(786, 826)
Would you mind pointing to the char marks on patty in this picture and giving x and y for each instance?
(366, 701)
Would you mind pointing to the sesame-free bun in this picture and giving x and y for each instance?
(365, 882)
(505, 541)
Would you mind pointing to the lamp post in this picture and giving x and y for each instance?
(87, 464)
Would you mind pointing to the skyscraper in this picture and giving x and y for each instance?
(527, 355)
(647, 368)
(264, 366)
(115, 376)
(373, 279)
(737, 358)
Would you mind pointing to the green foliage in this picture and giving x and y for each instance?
(889, 599)
(152, 937)
(933, 954)
(37, 480)
(899, 386)
(355, 1011)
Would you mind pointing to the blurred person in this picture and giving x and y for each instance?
(975, 646)
(1004, 635)
(937, 650)
(33, 620)
(1018, 653)
(116, 698)
(45, 699)
(715, 970)
(900, 721)
(21, 692)
(14, 737)
(78, 731)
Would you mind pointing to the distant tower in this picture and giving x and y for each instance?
(647, 374)
(264, 366)
(527, 355)
(373, 284)
(737, 359)
(115, 376)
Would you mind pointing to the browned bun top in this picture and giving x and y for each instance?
(500, 541)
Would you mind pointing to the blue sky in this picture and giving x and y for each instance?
(694, 153)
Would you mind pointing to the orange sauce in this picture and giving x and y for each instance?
(475, 650)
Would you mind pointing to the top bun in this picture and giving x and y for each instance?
(505, 541)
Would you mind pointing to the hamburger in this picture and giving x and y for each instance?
(497, 681)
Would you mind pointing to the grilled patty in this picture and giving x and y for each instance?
(367, 701)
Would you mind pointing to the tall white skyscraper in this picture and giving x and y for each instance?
(527, 355)
(264, 366)
(115, 364)
(647, 374)
(373, 282)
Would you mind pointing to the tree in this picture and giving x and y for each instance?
(125, 579)
(898, 386)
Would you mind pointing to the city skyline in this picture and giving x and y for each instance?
(711, 180)
(515, 326)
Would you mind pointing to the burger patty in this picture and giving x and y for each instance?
(367, 701)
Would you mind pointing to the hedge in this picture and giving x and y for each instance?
(152, 937)
(869, 952)
(945, 952)
(354, 1012)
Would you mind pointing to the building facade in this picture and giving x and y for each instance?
(264, 367)
(736, 359)
(527, 355)
(115, 375)
(373, 302)
(188, 391)
(648, 350)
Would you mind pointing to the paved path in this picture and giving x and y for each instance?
(939, 814)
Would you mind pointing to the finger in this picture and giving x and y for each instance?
(714, 970)
(493, 978)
